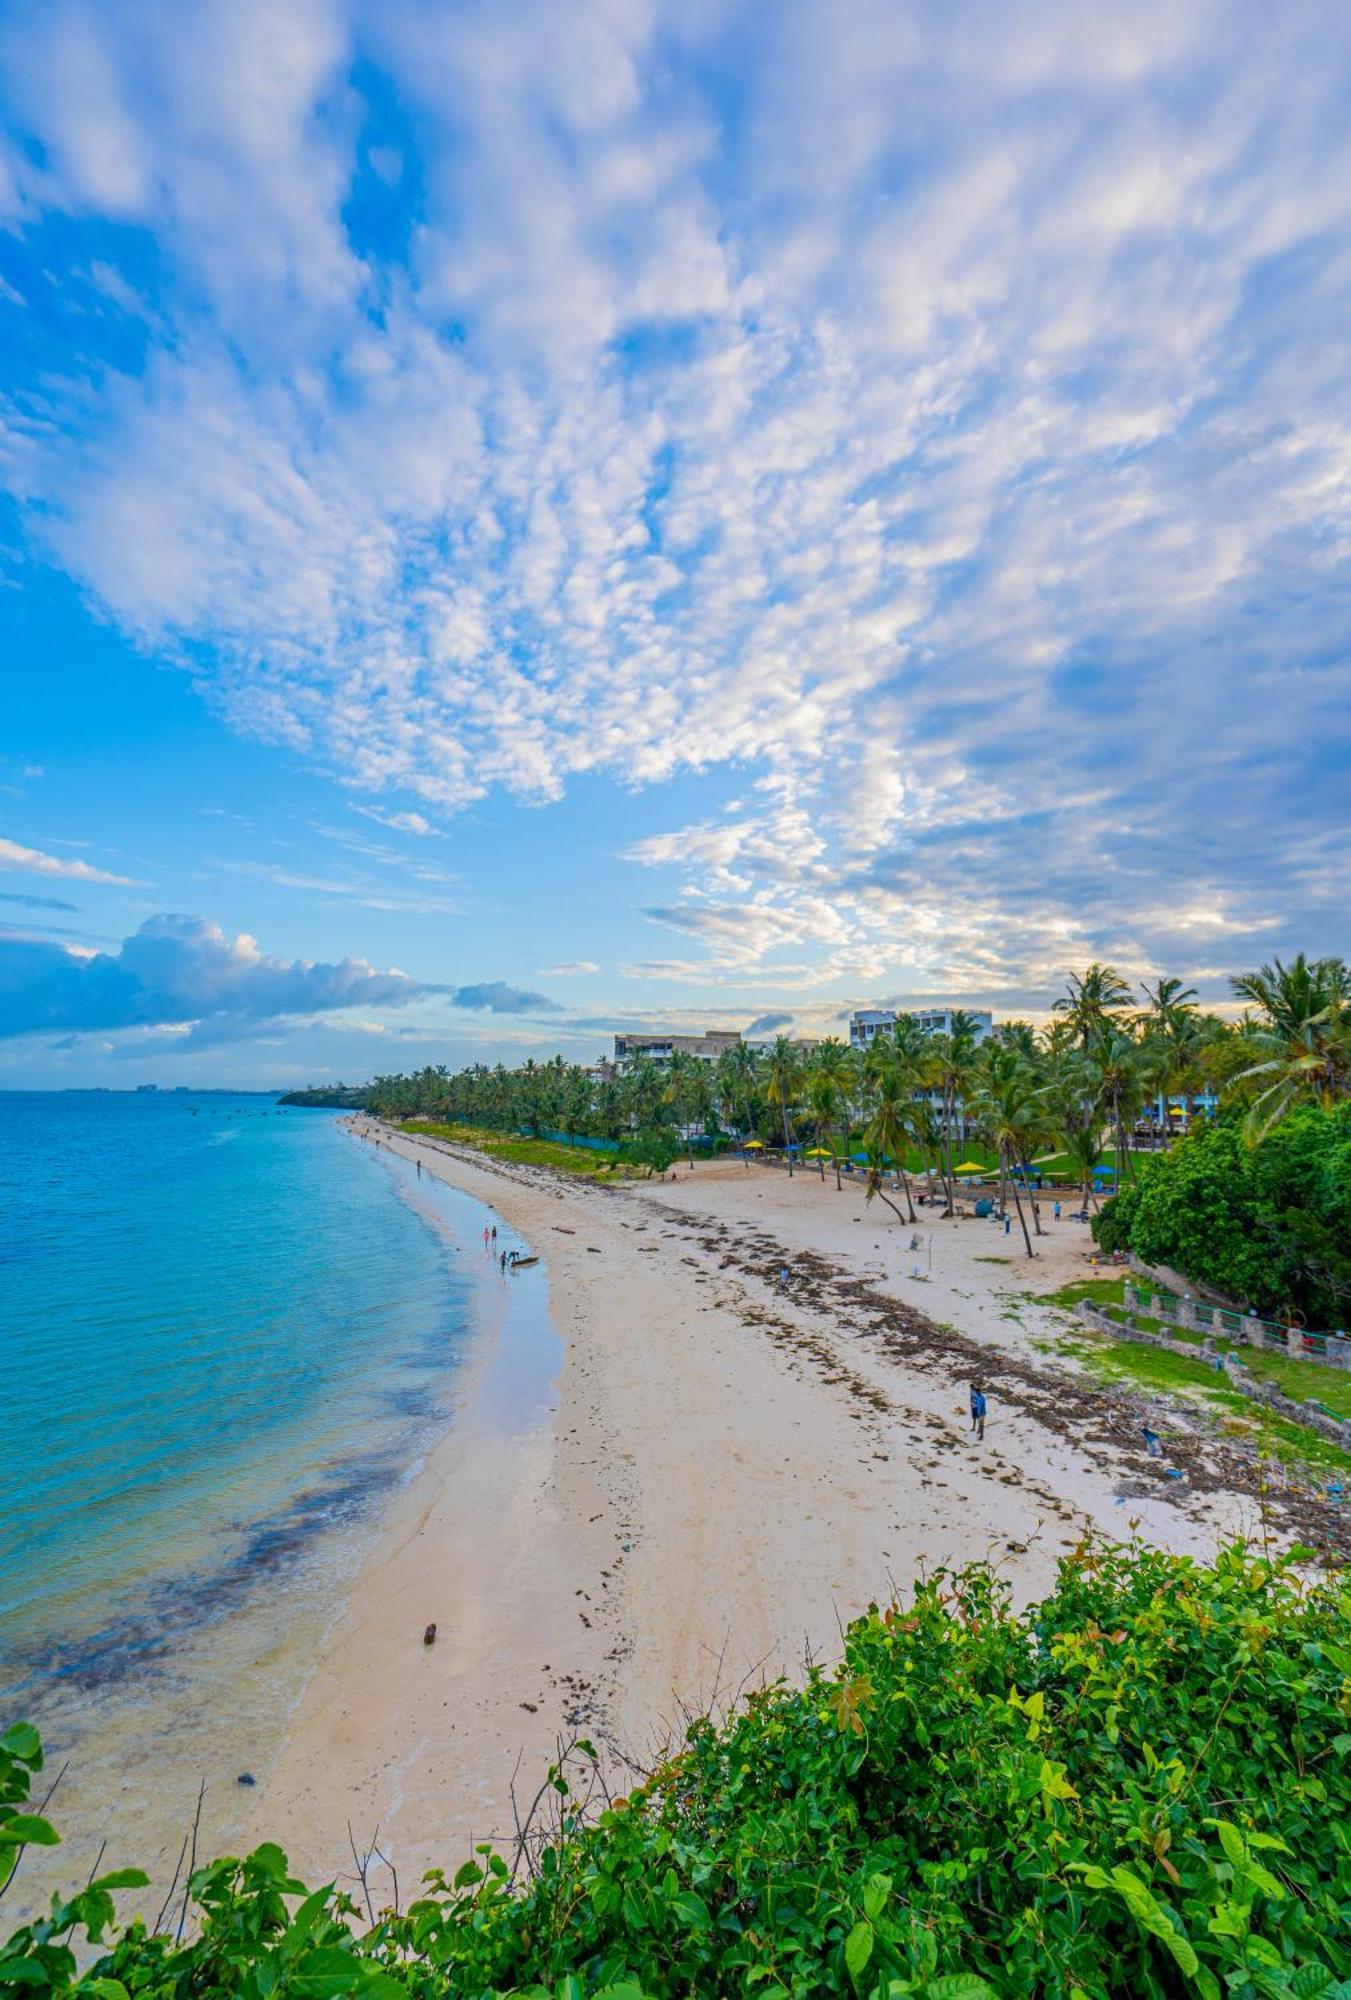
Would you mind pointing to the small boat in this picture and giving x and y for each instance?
(519, 1263)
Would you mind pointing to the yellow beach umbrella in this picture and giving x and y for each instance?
(754, 1146)
(819, 1153)
(970, 1167)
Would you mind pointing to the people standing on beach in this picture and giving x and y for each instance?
(502, 1260)
(494, 1232)
(485, 1236)
(978, 1412)
(419, 1169)
(1056, 1211)
(1008, 1222)
(783, 1277)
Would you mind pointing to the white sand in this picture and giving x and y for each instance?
(730, 1472)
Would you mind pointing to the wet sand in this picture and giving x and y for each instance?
(730, 1470)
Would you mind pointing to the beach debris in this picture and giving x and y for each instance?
(246, 1778)
(531, 1706)
(429, 1636)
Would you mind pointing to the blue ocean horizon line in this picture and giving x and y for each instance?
(236, 1350)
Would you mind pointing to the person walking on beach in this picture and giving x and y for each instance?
(494, 1232)
(1056, 1211)
(783, 1277)
(978, 1412)
(1008, 1222)
(502, 1260)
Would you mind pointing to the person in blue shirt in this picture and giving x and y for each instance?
(978, 1411)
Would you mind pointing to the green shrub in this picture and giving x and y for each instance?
(1270, 1223)
(1141, 1787)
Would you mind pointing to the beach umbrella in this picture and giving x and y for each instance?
(755, 1146)
(1104, 1173)
(861, 1158)
(970, 1167)
(819, 1153)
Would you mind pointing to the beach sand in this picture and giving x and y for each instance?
(730, 1471)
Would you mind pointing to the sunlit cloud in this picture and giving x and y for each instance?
(925, 421)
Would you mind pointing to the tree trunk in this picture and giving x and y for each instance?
(1018, 1204)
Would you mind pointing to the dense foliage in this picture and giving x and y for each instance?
(1270, 1224)
(1139, 1788)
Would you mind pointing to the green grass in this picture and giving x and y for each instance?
(580, 1160)
(1305, 1381)
(1098, 1292)
(1165, 1373)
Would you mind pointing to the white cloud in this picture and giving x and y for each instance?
(569, 968)
(33, 861)
(938, 429)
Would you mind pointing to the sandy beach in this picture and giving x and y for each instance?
(731, 1469)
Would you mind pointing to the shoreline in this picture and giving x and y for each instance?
(727, 1475)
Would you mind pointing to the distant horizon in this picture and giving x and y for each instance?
(694, 515)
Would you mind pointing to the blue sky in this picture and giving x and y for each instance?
(671, 512)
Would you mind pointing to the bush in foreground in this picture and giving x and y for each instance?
(1140, 1787)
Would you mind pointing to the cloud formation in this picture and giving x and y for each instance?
(930, 413)
(32, 861)
(181, 972)
(493, 996)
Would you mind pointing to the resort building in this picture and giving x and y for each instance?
(869, 1022)
(659, 1048)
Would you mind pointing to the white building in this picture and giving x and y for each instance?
(660, 1047)
(869, 1022)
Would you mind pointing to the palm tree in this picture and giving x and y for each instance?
(823, 1103)
(1120, 1072)
(781, 1077)
(1092, 998)
(1303, 1035)
(681, 1086)
(889, 1130)
(877, 1182)
(951, 1070)
(833, 1068)
(1006, 1113)
(1081, 1146)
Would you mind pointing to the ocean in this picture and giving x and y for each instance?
(229, 1332)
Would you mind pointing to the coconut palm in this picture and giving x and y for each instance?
(951, 1070)
(891, 1127)
(1006, 1112)
(1121, 1071)
(1091, 1000)
(822, 1097)
(781, 1083)
(1303, 1035)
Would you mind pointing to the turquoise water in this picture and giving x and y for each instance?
(224, 1328)
(229, 1335)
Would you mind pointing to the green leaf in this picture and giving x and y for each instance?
(22, 1741)
(858, 1949)
(29, 1828)
(1310, 1981)
(1233, 1843)
(692, 1910)
(959, 1986)
(876, 1890)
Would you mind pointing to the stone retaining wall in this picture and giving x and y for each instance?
(1238, 1377)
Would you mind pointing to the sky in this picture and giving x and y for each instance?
(521, 522)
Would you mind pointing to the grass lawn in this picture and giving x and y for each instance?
(583, 1160)
(1098, 1292)
(1157, 1368)
(1154, 1368)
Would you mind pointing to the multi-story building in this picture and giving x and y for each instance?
(869, 1022)
(938, 1020)
(659, 1048)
